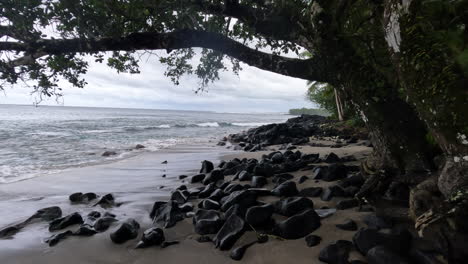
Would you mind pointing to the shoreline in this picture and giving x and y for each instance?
(137, 198)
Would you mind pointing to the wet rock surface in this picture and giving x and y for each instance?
(229, 232)
(126, 231)
(299, 225)
(66, 221)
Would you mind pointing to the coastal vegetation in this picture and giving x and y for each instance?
(401, 65)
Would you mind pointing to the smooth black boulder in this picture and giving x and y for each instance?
(207, 222)
(153, 236)
(292, 205)
(207, 191)
(277, 158)
(280, 178)
(213, 177)
(71, 219)
(106, 201)
(238, 252)
(259, 181)
(181, 177)
(209, 204)
(44, 214)
(155, 207)
(299, 225)
(186, 207)
(312, 240)
(335, 172)
(244, 176)
(311, 192)
(232, 187)
(207, 166)
(259, 215)
(229, 232)
(348, 225)
(287, 188)
(217, 195)
(167, 215)
(375, 222)
(76, 197)
(324, 213)
(331, 158)
(180, 197)
(197, 178)
(319, 172)
(54, 239)
(367, 238)
(354, 180)
(333, 191)
(126, 231)
(263, 169)
(383, 255)
(244, 198)
(85, 230)
(346, 204)
(102, 224)
(302, 179)
(336, 253)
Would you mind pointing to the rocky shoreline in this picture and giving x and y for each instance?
(245, 202)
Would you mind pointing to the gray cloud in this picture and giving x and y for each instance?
(253, 90)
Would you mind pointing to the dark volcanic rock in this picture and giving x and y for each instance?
(331, 158)
(299, 225)
(66, 221)
(207, 167)
(155, 208)
(336, 253)
(106, 201)
(53, 240)
(346, 204)
(355, 180)
(85, 230)
(312, 240)
(311, 192)
(109, 153)
(259, 181)
(264, 169)
(229, 232)
(167, 215)
(207, 222)
(238, 253)
(244, 176)
(232, 187)
(333, 191)
(293, 205)
(180, 197)
(197, 178)
(348, 225)
(382, 255)
(319, 172)
(375, 222)
(259, 215)
(280, 178)
(186, 207)
(213, 177)
(209, 204)
(76, 197)
(217, 195)
(324, 213)
(207, 191)
(287, 188)
(44, 214)
(302, 179)
(398, 241)
(244, 199)
(102, 224)
(126, 231)
(151, 237)
(335, 172)
(277, 158)
(181, 177)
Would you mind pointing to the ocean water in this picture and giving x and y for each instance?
(48, 139)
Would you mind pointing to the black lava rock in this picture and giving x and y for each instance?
(85, 230)
(366, 238)
(106, 201)
(207, 222)
(331, 158)
(167, 215)
(299, 225)
(335, 172)
(259, 215)
(102, 224)
(213, 177)
(302, 179)
(312, 240)
(287, 189)
(209, 204)
(66, 221)
(229, 232)
(346, 204)
(333, 191)
(336, 253)
(348, 225)
(126, 231)
(293, 205)
(152, 237)
(259, 181)
(207, 166)
(197, 178)
(311, 192)
(244, 198)
(238, 253)
(53, 240)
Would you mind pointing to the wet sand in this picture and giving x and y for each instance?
(135, 182)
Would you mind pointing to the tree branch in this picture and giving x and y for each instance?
(311, 69)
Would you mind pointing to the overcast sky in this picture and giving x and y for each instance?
(253, 90)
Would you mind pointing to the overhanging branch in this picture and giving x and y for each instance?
(305, 69)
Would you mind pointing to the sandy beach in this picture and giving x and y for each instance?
(136, 182)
